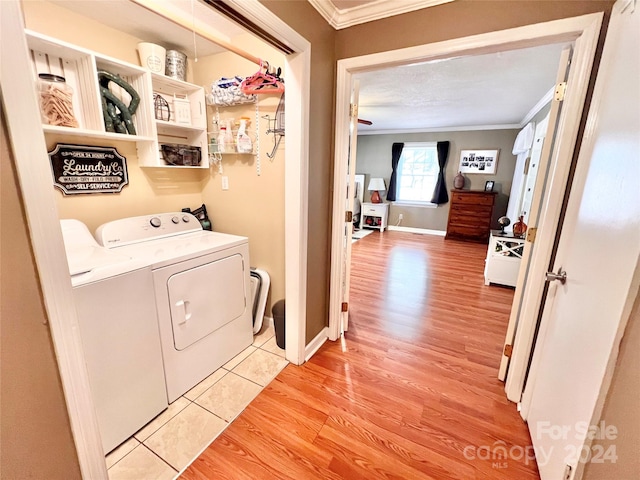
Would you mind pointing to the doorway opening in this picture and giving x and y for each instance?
(583, 33)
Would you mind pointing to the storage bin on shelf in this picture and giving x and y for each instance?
(226, 92)
(76, 67)
(56, 101)
(181, 155)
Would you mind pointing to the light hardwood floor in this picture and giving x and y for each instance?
(410, 392)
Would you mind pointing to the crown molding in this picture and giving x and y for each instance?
(508, 126)
(347, 17)
(544, 101)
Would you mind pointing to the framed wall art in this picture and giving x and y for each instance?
(479, 161)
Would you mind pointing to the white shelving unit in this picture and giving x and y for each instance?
(80, 67)
(174, 131)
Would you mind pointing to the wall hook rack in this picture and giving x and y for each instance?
(215, 158)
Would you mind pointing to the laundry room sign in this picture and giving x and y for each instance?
(88, 169)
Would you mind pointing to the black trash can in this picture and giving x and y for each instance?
(278, 322)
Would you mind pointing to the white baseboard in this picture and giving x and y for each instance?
(316, 343)
(422, 231)
(268, 321)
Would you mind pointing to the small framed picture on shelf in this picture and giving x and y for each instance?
(478, 161)
(488, 186)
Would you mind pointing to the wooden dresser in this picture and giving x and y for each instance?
(470, 215)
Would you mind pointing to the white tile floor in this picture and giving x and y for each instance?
(172, 440)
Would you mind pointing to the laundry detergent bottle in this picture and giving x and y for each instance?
(243, 141)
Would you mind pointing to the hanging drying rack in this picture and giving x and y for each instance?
(276, 126)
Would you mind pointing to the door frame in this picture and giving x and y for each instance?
(585, 28)
(528, 304)
(339, 221)
(545, 151)
(33, 170)
(524, 299)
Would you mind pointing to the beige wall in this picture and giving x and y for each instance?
(374, 159)
(303, 18)
(455, 20)
(622, 410)
(34, 426)
(253, 205)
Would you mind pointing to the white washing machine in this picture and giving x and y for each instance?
(115, 301)
(202, 288)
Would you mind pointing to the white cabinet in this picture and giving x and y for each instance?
(503, 259)
(80, 67)
(375, 215)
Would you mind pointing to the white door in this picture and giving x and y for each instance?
(539, 196)
(599, 249)
(348, 224)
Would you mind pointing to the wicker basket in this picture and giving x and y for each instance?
(182, 155)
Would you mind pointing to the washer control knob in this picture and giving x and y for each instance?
(175, 220)
(155, 222)
(186, 219)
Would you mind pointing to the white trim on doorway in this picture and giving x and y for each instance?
(586, 28)
(340, 18)
(33, 171)
(316, 343)
(32, 164)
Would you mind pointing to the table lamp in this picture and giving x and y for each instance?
(375, 185)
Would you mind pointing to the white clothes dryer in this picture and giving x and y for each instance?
(203, 294)
(115, 301)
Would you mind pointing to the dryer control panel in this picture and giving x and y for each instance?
(126, 231)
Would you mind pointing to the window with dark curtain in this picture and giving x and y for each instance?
(396, 151)
(440, 194)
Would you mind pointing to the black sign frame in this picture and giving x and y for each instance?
(86, 169)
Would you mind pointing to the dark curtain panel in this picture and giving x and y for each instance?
(440, 194)
(396, 151)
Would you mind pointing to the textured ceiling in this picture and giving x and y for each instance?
(483, 90)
